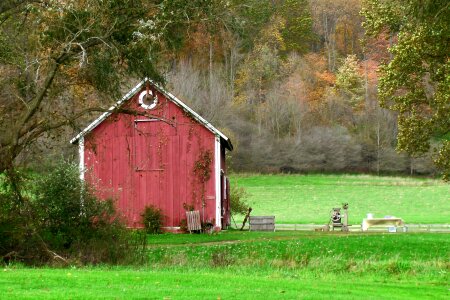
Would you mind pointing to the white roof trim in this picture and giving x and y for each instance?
(133, 92)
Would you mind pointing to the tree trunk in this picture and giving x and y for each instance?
(378, 145)
(366, 82)
(210, 67)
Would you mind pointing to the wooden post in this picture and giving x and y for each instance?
(246, 218)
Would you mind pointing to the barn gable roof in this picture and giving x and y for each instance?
(169, 96)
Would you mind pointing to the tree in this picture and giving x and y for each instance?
(416, 82)
(188, 83)
(61, 60)
(47, 47)
(253, 16)
(338, 28)
(349, 82)
(261, 68)
(297, 32)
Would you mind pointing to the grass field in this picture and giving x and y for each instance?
(278, 265)
(248, 265)
(207, 284)
(305, 199)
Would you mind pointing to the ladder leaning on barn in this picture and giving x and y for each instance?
(193, 220)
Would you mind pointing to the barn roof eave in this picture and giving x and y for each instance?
(174, 99)
(227, 143)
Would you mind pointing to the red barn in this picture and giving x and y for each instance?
(151, 148)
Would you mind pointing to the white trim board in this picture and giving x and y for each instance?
(170, 96)
(217, 167)
(81, 154)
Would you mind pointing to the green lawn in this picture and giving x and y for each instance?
(278, 265)
(248, 265)
(309, 198)
(206, 284)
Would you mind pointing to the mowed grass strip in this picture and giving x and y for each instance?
(204, 284)
(303, 199)
(247, 265)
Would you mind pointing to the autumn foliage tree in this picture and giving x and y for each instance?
(49, 48)
(416, 82)
(349, 81)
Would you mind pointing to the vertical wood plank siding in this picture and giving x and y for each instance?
(139, 161)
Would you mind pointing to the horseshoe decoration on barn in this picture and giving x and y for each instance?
(148, 94)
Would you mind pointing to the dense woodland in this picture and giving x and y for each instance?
(295, 84)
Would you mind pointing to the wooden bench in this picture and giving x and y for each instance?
(262, 223)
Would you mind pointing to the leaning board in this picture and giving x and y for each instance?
(262, 223)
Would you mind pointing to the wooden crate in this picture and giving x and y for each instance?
(262, 223)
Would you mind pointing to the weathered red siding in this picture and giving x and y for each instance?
(140, 161)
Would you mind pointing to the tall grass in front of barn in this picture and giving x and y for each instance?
(321, 253)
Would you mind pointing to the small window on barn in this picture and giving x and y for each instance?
(148, 99)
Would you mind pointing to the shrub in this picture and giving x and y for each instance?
(62, 221)
(207, 226)
(74, 222)
(12, 232)
(238, 205)
(153, 219)
(183, 225)
(16, 211)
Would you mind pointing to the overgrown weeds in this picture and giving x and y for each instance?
(222, 258)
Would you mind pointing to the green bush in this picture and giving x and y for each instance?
(183, 226)
(153, 219)
(238, 205)
(63, 221)
(15, 212)
(72, 221)
(11, 227)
